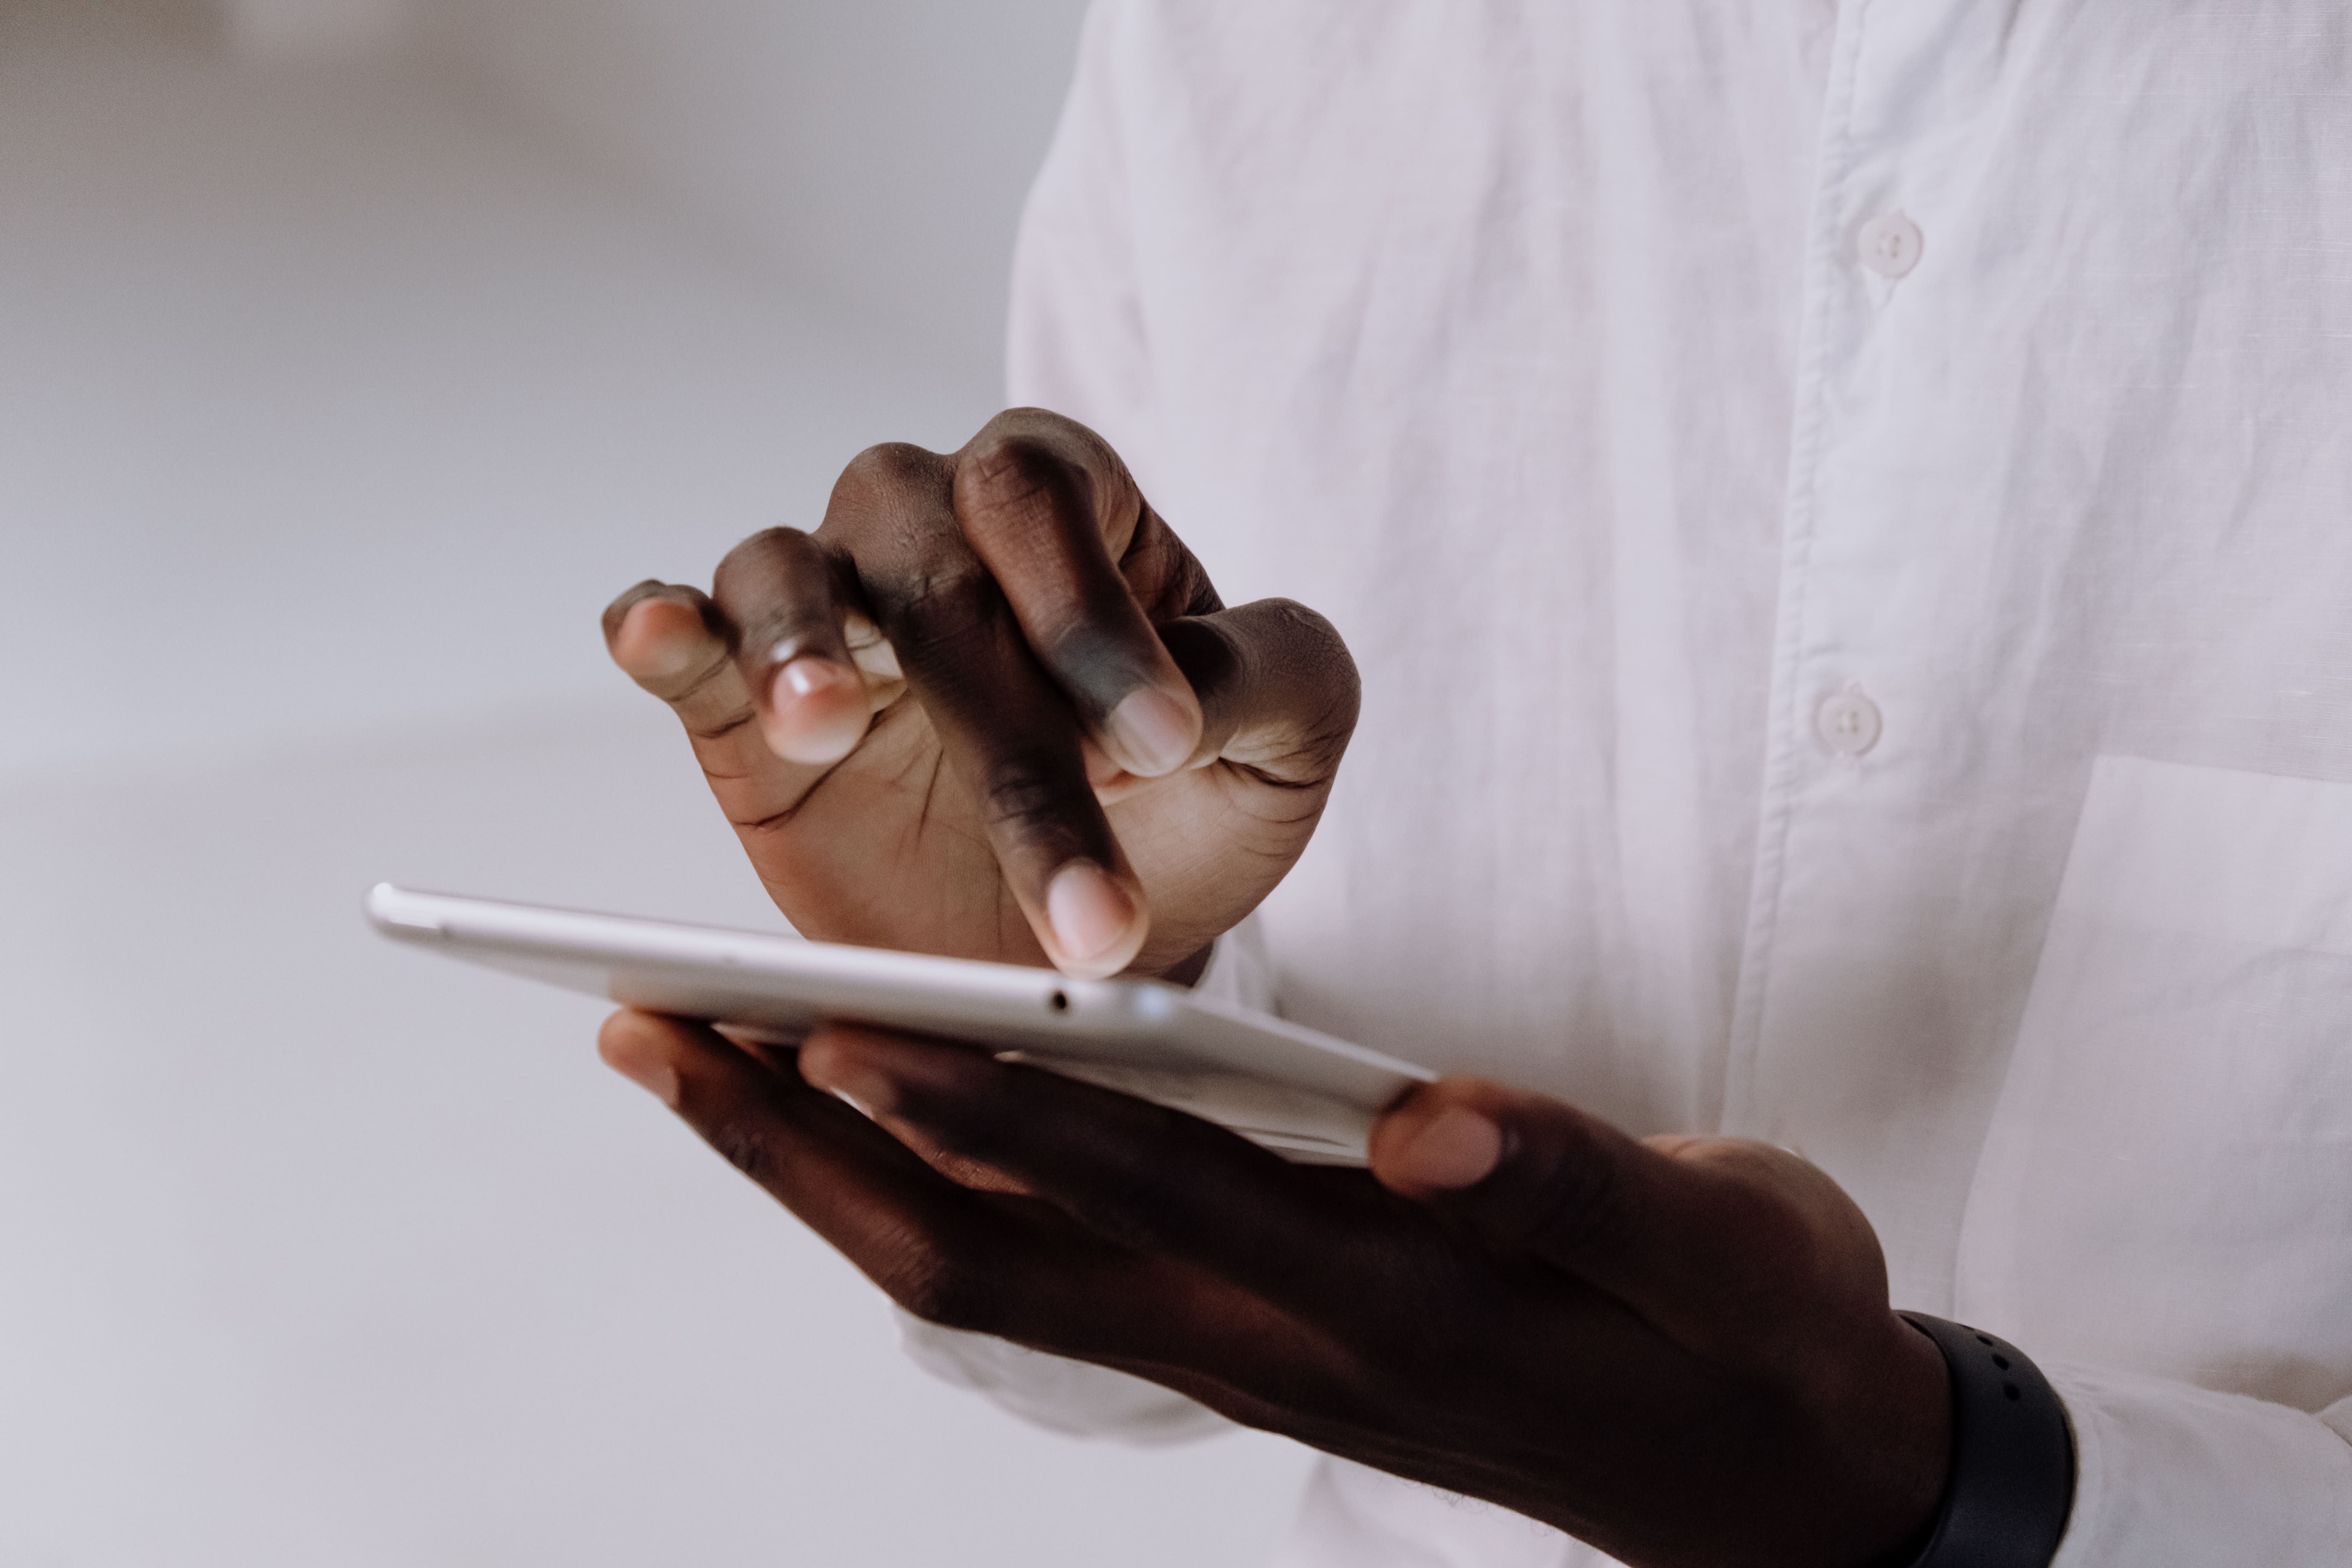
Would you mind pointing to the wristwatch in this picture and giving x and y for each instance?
(2012, 1477)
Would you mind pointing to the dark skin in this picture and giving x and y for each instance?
(1679, 1349)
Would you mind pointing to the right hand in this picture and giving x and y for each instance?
(994, 708)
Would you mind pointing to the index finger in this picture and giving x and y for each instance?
(984, 1261)
(1049, 509)
(1138, 1175)
(1008, 733)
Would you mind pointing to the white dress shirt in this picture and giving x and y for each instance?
(1845, 511)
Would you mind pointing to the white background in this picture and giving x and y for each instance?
(351, 355)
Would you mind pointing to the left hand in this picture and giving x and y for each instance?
(1678, 1349)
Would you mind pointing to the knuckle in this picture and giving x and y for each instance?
(1002, 471)
(778, 534)
(754, 559)
(1306, 656)
(1315, 645)
(892, 470)
(1575, 1202)
(755, 585)
(742, 1146)
(736, 716)
(1028, 418)
(887, 498)
(941, 1289)
(708, 700)
(943, 601)
(945, 582)
(1310, 627)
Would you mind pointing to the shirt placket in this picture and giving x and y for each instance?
(1835, 1049)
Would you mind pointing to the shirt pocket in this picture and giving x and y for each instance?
(2167, 1183)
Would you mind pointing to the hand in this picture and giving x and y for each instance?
(994, 708)
(1679, 1349)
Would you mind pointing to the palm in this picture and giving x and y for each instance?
(918, 718)
(888, 850)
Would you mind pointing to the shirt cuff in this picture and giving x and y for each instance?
(1240, 972)
(1053, 1392)
(2171, 1475)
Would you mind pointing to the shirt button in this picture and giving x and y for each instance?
(1890, 245)
(1848, 723)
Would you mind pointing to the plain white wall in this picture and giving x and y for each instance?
(316, 1252)
(338, 394)
(330, 402)
(305, 30)
(879, 148)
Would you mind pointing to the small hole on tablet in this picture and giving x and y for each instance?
(1058, 1002)
(2010, 1391)
(1982, 1341)
(2001, 1362)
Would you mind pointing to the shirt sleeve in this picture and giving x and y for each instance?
(1059, 1395)
(2172, 1476)
(1075, 339)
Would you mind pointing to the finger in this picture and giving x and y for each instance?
(1137, 1175)
(1008, 733)
(1278, 690)
(1702, 1237)
(1049, 509)
(974, 1260)
(679, 645)
(780, 591)
(859, 1188)
(673, 642)
(1012, 741)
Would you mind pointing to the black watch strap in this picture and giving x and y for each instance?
(2013, 1480)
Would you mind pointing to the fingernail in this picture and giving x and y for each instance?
(817, 711)
(1459, 1148)
(1153, 729)
(868, 1092)
(640, 1061)
(1089, 912)
(807, 676)
(657, 639)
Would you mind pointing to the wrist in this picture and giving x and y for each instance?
(1902, 1419)
(2010, 1484)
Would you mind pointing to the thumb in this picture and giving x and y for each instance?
(1687, 1232)
(1534, 1174)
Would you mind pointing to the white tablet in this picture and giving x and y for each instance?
(1305, 1095)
